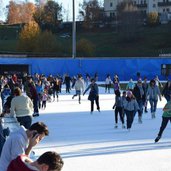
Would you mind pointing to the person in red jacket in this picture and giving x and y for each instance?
(48, 161)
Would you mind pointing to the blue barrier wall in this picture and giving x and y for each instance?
(126, 68)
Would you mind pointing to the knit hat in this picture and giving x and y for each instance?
(139, 80)
(129, 93)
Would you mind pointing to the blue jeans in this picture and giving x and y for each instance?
(153, 104)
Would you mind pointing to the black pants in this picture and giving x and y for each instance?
(44, 104)
(97, 104)
(130, 118)
(25, 121)
(107, 88)
(165, 120)
(120, 111)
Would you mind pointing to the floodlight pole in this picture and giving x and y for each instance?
(73, 32)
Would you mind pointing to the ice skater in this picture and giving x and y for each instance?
(93, 95)
(165, 119)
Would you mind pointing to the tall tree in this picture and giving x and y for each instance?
(20, 13)
(48, 16)
(90, 12)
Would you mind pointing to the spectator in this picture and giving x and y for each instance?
(22, 108)
(22, 142)
(49, 161)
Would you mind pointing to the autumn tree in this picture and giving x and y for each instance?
(20, 13)
(48, 16)
(152, 18)
(129, 18)
(90, 12)
(85, 48)
(28, 37)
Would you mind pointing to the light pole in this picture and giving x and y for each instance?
(73, 32)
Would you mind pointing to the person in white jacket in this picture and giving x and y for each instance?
(79, 87)
(22, 108)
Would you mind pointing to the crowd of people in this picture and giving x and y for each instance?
(24, 96)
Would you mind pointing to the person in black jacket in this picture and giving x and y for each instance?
(93, 95)
(139, 94)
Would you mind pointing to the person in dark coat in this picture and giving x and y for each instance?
(139, 94)
(93, 94)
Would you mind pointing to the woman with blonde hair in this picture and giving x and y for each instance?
(22, 108)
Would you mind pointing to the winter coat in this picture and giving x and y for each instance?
(19, 164)
(118, 101)
(94, 91)
(79, 85)
(130, 104)
(137, 93)
(153, 92)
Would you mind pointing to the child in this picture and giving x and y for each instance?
(44, 99)
(165, 118)
(118, 106)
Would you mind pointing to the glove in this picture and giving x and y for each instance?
(113, 107)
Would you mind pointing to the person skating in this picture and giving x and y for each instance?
(93, 94)
(153, 93)
(165, 118)
(79, 86)
(130, 107)
(139, 94)
(118, 106)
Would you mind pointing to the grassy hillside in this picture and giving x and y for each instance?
(150, 41)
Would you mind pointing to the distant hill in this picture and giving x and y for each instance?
(149, 41)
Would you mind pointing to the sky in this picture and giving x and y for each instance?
(89, 142)
(67, 4)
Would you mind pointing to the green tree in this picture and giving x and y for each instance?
(48, 16)
(46, 42)
(85, 48)
(90, 12)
